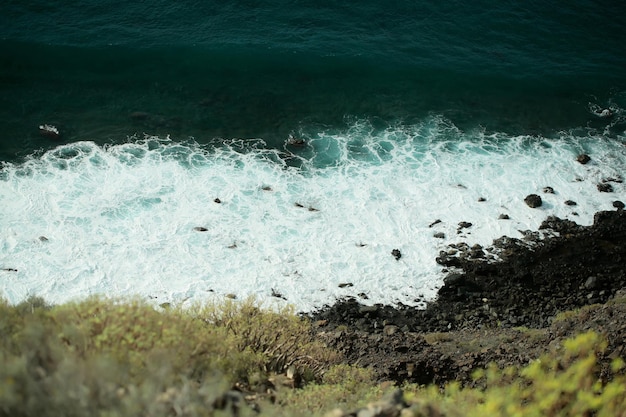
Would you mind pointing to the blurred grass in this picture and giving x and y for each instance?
(103, 357)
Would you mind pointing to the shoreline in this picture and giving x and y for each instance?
(508, 312)
(581, 265)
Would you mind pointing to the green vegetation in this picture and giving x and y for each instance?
(567, 382)
(127, 358)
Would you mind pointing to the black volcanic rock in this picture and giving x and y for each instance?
(533, 201)
(533, 280)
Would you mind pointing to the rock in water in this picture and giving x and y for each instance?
(533, 201)
(605, 188)
(49, 131)
(396, 254)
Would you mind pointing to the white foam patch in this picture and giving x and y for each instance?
(119, 220)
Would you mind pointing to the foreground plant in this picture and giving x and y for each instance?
(127, 358)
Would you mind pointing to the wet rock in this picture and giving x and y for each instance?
(482, 199)
(49, 131)
(346, 285)
(434, 223)
(276, 294)
(583, 158)
(533, 201)
(217, 200)
(396, 254)
(448, 259)
(605, 188)
(440, 235)
(570, 203)
(43, 239)
(295, 141)
(200, 229)
(618, 205)
(548, 190)
(504, 217)
(563, 226)
(464, 225)
(453, 279)
(476, 252)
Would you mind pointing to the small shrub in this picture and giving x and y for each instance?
(437, 337)
(280, 339)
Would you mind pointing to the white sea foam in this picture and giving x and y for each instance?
(84, 219)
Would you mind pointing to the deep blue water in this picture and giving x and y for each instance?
(268, 68)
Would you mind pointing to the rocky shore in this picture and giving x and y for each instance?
(490, 310)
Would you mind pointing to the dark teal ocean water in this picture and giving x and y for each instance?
(267, 68)
(176, 117)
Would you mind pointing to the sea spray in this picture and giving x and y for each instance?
(181, 222)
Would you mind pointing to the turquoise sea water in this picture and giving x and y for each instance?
(164, 106)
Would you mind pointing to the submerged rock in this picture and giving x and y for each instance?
(583, 158)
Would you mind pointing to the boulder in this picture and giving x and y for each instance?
(533, 201)
(583, 158)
